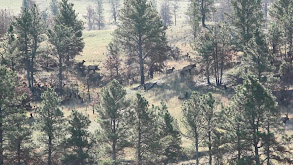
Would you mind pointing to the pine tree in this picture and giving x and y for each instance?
(142, 31)
(193, 119)
(257, 55)
(113, 62)
(282, 12)
(78, 143)
(198, 12)
(10, 50)
(257, 106)
(112, 113)
(175, 8)
(100, 14)
(22, 27)
(171, 136)
(115, 5)
(145, 131)
(209, 118)
(50, 122)
(247, 16)
(205, 48)
(68, 18)
(66, 36)
(194, 17)
(166, 13)
(13, 129)
(28, 28)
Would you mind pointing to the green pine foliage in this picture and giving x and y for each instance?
(141, 30)
(112, 118)
(79, 143)
(50, 121)
(246, 17)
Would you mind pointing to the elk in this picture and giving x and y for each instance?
(169, 71)
(93, 68)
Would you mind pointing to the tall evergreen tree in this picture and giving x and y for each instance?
(66, 36)
(142, 31)
(115, 5)
(170, 136)
(246, 17)
(100, 14)
(282, 11)
(78, 143)
(166, 13)
(193, 119)
(28, 28)
(257, 55)
(50, 122)
(13, 129)
(68, 18)
(146, 131)
(258, 110)
(112, 113)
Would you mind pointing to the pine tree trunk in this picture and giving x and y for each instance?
(255, 144)
(238, 143)
(268, 145)
(50, 151)
(32, 71)
(203, 14)
(141, 60)
(139, 158)
(196, 147)
(60, 72)
(1, 136)
(27, 61)
(18, 153)
(210, 148)
(114, 143)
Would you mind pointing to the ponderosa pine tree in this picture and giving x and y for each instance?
(10, 54)
(112, 115)
(141, 31)
(100, 14)
(28, 28)
(275, 39)
(13, 130)
(209, 122)
(257, 106)
(166, 13)
(246, 17)
(79, 142)
(175, 8)
(146, 135)
(258, 59)
(282, 12)
(193, 119)
(68, 18)
(170, 136)
(66, 36)
(194, 17)
(50, 122)
(199, 11)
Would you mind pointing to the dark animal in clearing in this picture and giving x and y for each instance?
(93, 67)
(80, 64)
(169, 71)
(285, 119)
(187, 69)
